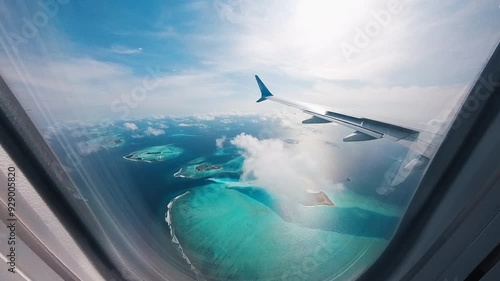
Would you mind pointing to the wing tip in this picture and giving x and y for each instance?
(264, 91)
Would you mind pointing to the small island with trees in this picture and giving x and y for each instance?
(204, 167)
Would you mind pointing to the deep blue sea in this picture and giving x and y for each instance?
(218, 226)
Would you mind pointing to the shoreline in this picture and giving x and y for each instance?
(135, 160)
(178, 175)
(175, 241)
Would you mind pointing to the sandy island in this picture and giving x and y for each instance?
(155, 153)
(316, 199)
(107, 141)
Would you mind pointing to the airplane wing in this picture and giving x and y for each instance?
(365, 129)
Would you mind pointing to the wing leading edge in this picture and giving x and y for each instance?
(365, 129)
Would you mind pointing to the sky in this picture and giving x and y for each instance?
(96, 60)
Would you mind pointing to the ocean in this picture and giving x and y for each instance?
(166, 216)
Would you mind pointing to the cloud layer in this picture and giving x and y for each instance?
(219, 143)
(124, 50)
(286, 169)
(150, 131)
(130, 126)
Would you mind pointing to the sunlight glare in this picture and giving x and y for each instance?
(319, 19)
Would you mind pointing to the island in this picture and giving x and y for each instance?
(107, 141)
(209, 170)
(155, 153)
(202, 170)
(316, 199)
(208, 167)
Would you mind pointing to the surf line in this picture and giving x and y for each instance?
(175, 241)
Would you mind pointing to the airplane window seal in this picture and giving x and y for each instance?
(486, 265)
(451, 156)
(28, 237)
(23, 143)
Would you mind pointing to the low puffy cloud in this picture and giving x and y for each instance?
(86, 149)
(48, 133)
(131, 126)
(192, 125)
(124, 50)
(220, 142)
(163, 126)
(286, 169)
(150, 131)
(204, 117)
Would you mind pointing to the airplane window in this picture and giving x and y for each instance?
(150, 108)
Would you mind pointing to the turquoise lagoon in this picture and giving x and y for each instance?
(234, 230)
(224, 228)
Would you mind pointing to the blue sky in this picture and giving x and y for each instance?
(91, 56)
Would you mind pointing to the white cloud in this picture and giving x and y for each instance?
(162, 125)
(150, 131)
(78, 133)
(87, 89)
(167, 32)
(204, 117)
(220, 142)
(226, 121)
(124, 50)
(302, 40)
(130, 126)
(200, 125)
(49, 133)
(286, 169)
(86, 149)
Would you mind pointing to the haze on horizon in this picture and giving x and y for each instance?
(94, 61)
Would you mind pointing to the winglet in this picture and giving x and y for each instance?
(263, 90)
